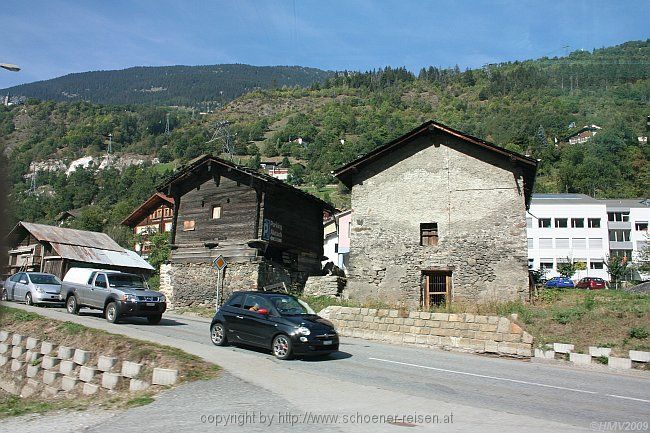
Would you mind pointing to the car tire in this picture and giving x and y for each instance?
(111, 312)
(28, 299)
(155, 319)
(218, 334)
(281, 347)
(71, 305)
(3, 296)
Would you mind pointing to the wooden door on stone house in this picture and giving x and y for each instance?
(436, 289)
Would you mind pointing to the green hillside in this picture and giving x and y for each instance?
(523, 106)
(192, 86)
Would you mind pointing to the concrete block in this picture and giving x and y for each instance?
(17, 340)
(49, 376)
(639, 356)
(491, 346)
(106, 363)
(65, 352)
(32, 370)
(50, 391)
(9, 386)
(3, 360)
(81, 357)
(68, 368)
(580, 358)
(69, 383)
(599, 351)
(90, 389)
(29, 390)
(4, 336)
(47, 348)
(16, 364)
(563, 348)
(49, 362)
(619, 363)
(164, 376)
(17, 352)
(86, 374)
(4, 347)
(110, 380)
(32, 343)
(138, 385)
(31, 356)
(544, 354)
(130, 369)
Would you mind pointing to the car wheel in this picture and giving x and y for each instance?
(218, 334)
(154, 320)
(4, 296)
(71, 305)
(28, 299)
(111, 313)
(282, 347)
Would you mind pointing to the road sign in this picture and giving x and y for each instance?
(219, 263)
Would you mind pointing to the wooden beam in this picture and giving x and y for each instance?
(177, 205)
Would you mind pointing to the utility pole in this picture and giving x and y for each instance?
(110, 143)
(223, 133)
(167, 125)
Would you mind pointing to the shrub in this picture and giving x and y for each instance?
(639, 332)
(565, 316)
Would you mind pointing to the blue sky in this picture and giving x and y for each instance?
(49, 38)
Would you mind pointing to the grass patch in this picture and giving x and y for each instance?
(141, 400)
(71, 328)
(200, 311)
(11, 405)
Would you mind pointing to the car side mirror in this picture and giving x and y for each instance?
(263, 311)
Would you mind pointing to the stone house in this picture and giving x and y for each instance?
(438, 216)
(268, 231)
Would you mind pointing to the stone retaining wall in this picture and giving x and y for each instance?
(597, 355)
(29, 366)
(329, 285)
(461, 332)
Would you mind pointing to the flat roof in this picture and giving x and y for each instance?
(554, 199)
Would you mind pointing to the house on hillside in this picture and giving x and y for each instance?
(268, 231)
(63, 219)
(439, 216)
(155, 215)
(584, 134)
(43, 248)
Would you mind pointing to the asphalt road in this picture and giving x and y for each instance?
(369, 378)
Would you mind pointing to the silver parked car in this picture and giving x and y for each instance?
(33, 288)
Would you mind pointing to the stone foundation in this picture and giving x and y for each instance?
(460, 332)
(195, 284)
(329, 285)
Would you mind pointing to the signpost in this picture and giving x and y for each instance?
(219, 264)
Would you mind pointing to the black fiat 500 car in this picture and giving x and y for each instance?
(275, 321)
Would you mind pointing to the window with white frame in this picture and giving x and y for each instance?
(595, 243)
(529, 223)
(596, 264)
(546, 264)
(561, 223)
(593, 223)
(577, 223)
(579, 243)
(562, 243)
(546, 243)
(641, 226)
(544, 223)
(530, 243)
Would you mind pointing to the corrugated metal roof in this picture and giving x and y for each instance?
(123, 257)
(67, 236)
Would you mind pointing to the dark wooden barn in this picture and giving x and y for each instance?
(268, 231)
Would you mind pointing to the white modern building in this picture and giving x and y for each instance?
(578, 228)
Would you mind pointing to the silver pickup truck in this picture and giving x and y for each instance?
(117, 294)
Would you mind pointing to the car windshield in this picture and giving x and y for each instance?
(289, 306)
(44, 279)
(126, 280)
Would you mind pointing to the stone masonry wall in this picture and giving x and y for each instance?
(478, 204)
(460, 332)
(193, 284)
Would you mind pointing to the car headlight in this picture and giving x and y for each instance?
(162, 299)
(303, 331)
(129, 298)
(39, 290)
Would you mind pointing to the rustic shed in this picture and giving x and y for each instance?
(43, 248)
(268, 231)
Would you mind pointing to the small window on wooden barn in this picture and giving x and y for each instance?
(188, 225)
(216, 212)
(429, 234)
